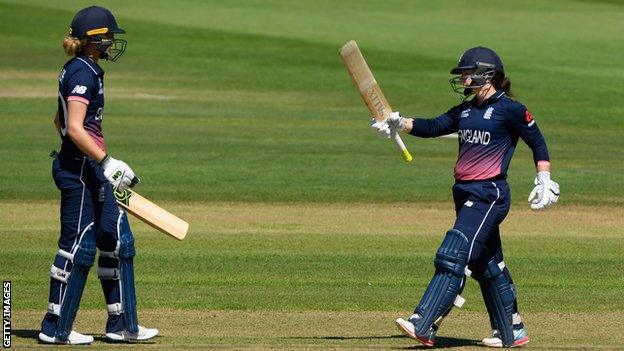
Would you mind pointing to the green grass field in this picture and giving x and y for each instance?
(307, 231)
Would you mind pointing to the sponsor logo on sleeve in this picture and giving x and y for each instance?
(465, 113)
(528, 117)
(79, 89)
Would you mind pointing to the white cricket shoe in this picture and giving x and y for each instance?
(74, 338)
(142, 335)
(407, 328)
(520, 338)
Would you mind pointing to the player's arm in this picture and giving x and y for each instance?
(76, 113)
(444, 124)
(117, 172)
(521, 123)
(433, 127)
(421, 127)
(546, 191)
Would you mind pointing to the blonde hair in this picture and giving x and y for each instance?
(73, 45)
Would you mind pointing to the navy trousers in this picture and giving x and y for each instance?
(481, 206)
(86, 200)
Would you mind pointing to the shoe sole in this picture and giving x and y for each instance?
(115, 338)
(407, 332)
(51, 340)
(517, 343)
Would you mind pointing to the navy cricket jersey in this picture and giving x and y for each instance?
(488, 135)
(81, 80)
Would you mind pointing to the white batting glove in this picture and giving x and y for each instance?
(381, 128)
(118, 173)
(396, 122)
(545, 193)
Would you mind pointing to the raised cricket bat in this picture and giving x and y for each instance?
(151, 214)
(369, 89)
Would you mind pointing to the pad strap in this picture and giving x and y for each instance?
(54, 308)
(111, 254)
(115, 309)
(59, 274)
(108, 273)
(68, 255)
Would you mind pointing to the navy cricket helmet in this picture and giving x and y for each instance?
(99, 25)
(478, 57)
(485, 63)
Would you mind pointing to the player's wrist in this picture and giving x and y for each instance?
(543, 176)
(105, 159)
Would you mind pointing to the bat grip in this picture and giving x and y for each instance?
(407, 157)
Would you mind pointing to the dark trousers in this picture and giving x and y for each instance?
(86, 200)
(481, 206)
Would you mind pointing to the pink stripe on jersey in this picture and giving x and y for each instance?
(474, 165)
(78, 98)
(99, 140)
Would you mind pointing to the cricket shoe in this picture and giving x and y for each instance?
(74, 338)
(520, 338)
(407, 328)
(123, 335)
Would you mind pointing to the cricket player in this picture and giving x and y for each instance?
(86, 175)
(489, 125)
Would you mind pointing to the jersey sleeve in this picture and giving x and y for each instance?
(521, 122)
(80, 87)
(444, 124)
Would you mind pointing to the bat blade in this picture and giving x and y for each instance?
(152, 214)
(369, 90)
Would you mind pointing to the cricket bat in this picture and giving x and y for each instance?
(369, 89)
(151, 214)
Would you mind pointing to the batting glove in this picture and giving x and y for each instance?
(396, 122)
(545, 193)
(118, 173)
(381, 128)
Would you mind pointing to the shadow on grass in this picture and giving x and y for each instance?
(26, 333)
(441, 341)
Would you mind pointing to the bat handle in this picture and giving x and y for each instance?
(407, 157)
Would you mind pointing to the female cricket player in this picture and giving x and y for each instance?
(488, 128)
(86, 176)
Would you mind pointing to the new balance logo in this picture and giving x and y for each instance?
(465, 113)
(79, 89)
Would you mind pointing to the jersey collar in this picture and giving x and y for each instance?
(92, 65)
(497, 95)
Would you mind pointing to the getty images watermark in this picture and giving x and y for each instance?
(6, 314)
